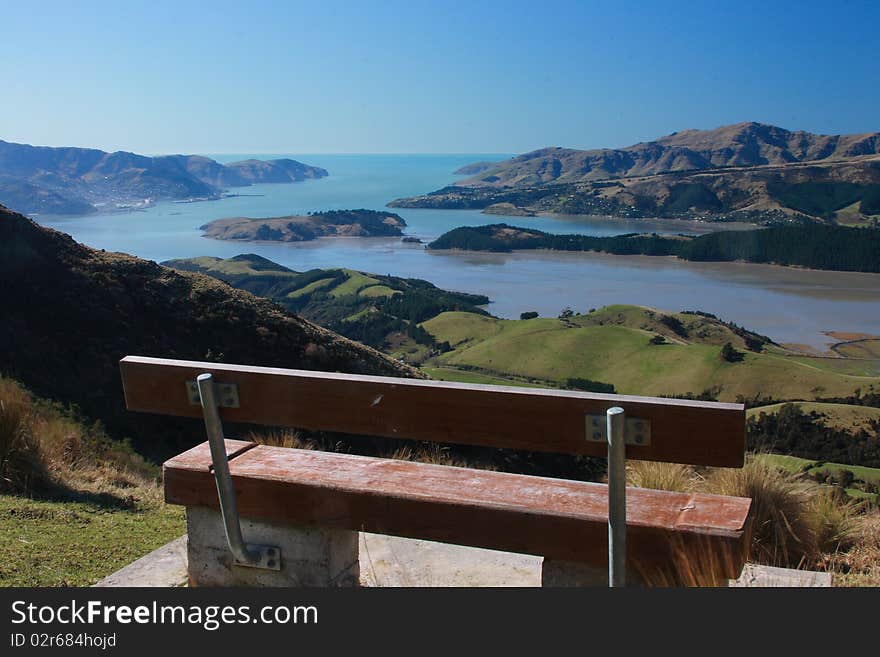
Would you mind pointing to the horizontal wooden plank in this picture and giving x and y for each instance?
(682, 431)
(553, 518)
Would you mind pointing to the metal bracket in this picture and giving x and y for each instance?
(226, 394)
(269, 557)
(211, 396)
(637, 431)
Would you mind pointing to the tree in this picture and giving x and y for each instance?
(731, 355)
(657, 339)
(529, 315)
(567, 313)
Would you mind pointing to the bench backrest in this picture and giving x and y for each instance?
(561, 421)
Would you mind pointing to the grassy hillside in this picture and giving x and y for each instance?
(614, 345)
(381, 311)
(840, 416)
(74, 505)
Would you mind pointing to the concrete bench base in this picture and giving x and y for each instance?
(569, 573)
(390, 561)
(309, 556)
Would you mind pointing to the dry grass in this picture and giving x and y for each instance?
(797, 523)
(695, 563)
(662, 476)
(21, 463)
(434, 454)
(45, 451)
(282, 438)
(421, 453)
(783, 529)
(860, 564)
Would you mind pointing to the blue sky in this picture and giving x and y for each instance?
(397, 77)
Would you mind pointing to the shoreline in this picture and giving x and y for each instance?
(674, 258)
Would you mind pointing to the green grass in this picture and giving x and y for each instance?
(612, 346)
(240, 265)
(49, 543)
(464, 376)
(375, 291)
(355, 282)
(795, 464)
(840, 416)
(849, 365)
(311, 287)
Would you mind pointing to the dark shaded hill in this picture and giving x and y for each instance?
(48, 180)
(71, 312)
(811, 245)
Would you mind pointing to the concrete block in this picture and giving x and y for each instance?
(758, 576)
(556, 573)
(310, 556)
(165, 566)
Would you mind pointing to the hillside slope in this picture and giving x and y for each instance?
(614, 345)
(378, 310)
(71, 312)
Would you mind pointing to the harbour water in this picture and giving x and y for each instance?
(787, 304)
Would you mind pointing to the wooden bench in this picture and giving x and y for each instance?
(314, 503)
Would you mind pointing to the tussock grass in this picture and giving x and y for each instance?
(282, 438)
(662, 476)
(422, 453)
(692, 563)
(436, 455)
(782, 523)
(797, 523)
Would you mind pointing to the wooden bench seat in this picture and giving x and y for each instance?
(322, 500)
(553, 518)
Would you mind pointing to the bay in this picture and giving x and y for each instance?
(787, 304)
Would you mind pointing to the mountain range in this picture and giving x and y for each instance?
(738, 145)
(747, 171)
(47, 180)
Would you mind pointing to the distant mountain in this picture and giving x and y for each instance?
(46, 180)
(475, 168)
(748, 172)
(275, 171)
(738, 145)
(71, 312)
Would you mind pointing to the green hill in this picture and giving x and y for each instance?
(381, 311)
(614, 345)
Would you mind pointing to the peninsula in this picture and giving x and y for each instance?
(808, 244)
